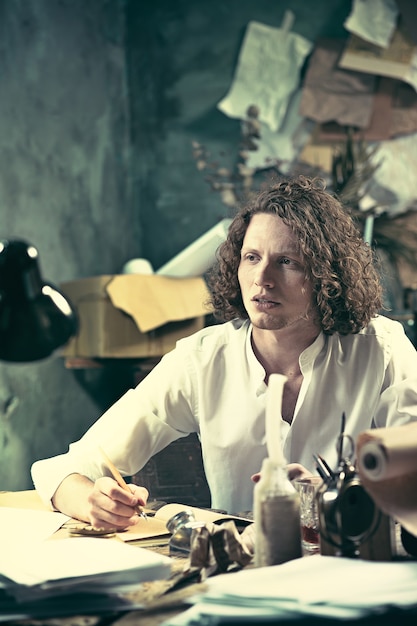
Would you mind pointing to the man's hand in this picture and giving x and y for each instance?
(110, 506)
(102, 504)
(295, 470)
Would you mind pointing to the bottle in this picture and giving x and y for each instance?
(276, 517)
(276, 502)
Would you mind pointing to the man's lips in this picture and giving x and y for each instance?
(263, 300)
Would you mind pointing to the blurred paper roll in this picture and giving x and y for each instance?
(199, 256)
(385, 453)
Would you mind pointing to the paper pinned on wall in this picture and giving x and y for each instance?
(285, 145)
(373, 21)
(333, 94)
(267, 73)
(398, 61)
(396, 160)
(377, 45)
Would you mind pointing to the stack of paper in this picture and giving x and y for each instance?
(78, 564)
(62, 606)
(315, 586)
(38, 572)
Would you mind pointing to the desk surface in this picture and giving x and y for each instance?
(160, 605)
(161, 602)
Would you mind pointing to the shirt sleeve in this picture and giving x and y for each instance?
(143, 422)
(398, 400)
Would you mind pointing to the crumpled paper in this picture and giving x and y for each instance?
(330, 93)
(217, 549)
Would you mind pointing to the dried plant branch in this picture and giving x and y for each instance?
(353, 167)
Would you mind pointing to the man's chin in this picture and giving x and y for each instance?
(268, 322)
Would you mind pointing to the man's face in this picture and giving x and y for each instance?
(271, 275)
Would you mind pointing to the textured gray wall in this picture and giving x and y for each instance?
(181, 60)
(65, 186)
(99, 103)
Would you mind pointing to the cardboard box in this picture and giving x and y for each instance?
(134, 315)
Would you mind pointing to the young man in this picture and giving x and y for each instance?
(298, 294)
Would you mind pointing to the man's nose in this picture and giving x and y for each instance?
(264, 277)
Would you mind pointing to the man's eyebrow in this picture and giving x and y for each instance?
(289, 250)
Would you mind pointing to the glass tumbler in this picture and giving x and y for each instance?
(309, 515)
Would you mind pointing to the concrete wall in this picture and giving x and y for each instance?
(181, 60)
(99, 103)
(65, 186)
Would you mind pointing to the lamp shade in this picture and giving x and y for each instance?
(35, 317)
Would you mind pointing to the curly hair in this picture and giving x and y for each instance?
(340, 265)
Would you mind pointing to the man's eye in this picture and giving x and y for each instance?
(291, 263)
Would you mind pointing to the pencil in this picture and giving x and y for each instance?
(120, 480)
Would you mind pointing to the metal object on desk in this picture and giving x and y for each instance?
(349, 519)
(181, 526)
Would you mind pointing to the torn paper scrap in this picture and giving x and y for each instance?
(398, 61)
(373, 21)
(332, 94)
(284, 146)
(267, 73)
(394, 113)
(397, 160)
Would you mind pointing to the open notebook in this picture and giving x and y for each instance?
(144, 532)
(148, 532)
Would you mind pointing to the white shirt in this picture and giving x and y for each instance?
(213, 384)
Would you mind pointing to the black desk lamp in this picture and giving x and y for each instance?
(35, 318)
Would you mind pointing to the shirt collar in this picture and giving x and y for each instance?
(307, 357)
(256, 369)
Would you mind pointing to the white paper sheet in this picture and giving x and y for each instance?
(286, 144)
(394, 185)
(373, 21)
(17, 525)
(267, 73)
(78, 564)
(376, 23)
(314, 585)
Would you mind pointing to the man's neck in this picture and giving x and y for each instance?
(279, 350)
